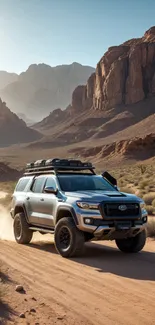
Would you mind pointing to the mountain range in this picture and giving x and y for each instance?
(111, 117)
(42, 88)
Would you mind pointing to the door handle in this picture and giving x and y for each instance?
(41, 199)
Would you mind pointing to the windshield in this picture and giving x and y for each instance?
(71, 183)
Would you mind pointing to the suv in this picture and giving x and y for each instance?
(67, 198)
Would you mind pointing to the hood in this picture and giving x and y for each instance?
(99, 196)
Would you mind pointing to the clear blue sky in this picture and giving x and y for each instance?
(64, 31)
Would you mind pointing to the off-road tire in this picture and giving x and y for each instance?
(22, 233)
(132, 244)
(76, 238)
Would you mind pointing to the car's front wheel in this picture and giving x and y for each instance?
(69, 240)
(22, 233)
(132, 244)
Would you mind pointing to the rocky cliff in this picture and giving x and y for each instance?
(124, 75)
(138, 148)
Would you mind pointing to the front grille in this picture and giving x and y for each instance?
(121, 209)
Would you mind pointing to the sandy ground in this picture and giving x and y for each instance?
(104, 286)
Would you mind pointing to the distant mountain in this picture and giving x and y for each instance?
(42, 88)
(28, 121)
(7, 78)
(14, 130)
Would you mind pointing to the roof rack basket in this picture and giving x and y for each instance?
(53, 166)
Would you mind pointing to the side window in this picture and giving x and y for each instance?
(22, 184)
(38, 185)
(50, 182)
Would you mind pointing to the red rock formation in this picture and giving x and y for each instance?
(134, 147)
(78, 98)
(124, 75)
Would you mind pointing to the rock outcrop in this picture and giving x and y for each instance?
(137, 147)
(124, 75)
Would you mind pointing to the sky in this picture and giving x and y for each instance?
(59, 32)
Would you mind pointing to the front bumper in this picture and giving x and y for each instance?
(113, 228)
(107, 233)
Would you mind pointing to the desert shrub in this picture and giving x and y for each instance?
(121, 182)
(127, 190)
(143, 184)
(142, 193)
(150, 209)
(152, 187)
(151, 228)
(148, 198)
(147, 189)
(142, 168)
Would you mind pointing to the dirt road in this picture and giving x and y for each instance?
(102, 287)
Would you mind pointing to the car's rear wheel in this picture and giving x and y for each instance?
(69, 240)
(22, 233)
(132, 244)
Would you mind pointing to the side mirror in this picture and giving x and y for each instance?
(117, 188)
(50, 190)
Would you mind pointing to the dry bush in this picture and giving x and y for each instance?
(148, 198)
(139, 180)
(151, 227)
(127, 190)
(142, 168)
(150, 209)
(144, 183)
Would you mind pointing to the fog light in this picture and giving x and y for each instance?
(88, 221)
(145, 219)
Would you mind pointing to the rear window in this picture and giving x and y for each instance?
(22, 184)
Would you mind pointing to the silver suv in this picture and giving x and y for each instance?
(68, 199)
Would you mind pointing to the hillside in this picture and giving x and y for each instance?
(8, 174)
(13, 130)
(42, 88)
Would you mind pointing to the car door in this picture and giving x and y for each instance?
(34, 200)
(48, 204)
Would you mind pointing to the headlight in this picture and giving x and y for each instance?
(88, 206)
(142, 205)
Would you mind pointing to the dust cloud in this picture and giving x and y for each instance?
(6, 228)
(6, 224)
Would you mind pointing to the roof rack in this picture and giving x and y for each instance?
(52, 166)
